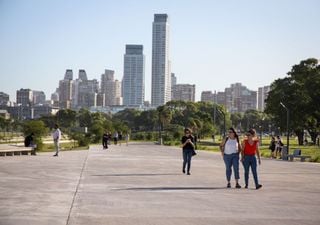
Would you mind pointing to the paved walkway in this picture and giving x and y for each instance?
(143, 184)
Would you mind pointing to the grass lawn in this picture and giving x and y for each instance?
(310, 150)
(63, 147)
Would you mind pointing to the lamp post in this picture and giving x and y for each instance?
(224, 119)
(286, 108)
(260, 128)
(224, 122)
(160, 138)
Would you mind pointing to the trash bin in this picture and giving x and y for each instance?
(284, 153)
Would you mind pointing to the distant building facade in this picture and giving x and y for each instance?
(39, 98)
(4, 98)
(207, 96)
(184, 92)
(111, 88)
(133, 88)
(263, 93)
(65, 93)
(25, 97)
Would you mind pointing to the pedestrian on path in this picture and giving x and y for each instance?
(250, 148)
(272, 146)
(120, 137)
(115, 137)
(56, 139)
(187, 142)
(230, 150)
(105, 139)
(127, 138)
(279, 145)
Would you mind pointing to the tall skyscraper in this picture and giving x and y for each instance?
(107, 86)
(87, 93)
(161, 75)
(117, 100)
(111, 88)
(68, 75)
(133, 76)
(83, 75)
(65, 93)
(173, 79)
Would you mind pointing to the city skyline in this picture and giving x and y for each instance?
(248, 42)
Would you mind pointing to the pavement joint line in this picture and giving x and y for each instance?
(77, 188)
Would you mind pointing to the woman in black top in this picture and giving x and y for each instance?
(272, 146)
(187, 142)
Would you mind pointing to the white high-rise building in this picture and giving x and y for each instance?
(262, 96)
(133, 76)
(111, 88)
(161, 75)
(107, 86)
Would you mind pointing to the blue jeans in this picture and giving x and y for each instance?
(232, 160)
(250, 161)
(187, 155)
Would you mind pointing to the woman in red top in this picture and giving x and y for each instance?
(250, 148)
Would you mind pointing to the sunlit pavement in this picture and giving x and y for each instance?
(143, 184)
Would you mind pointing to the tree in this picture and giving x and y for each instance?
(300, 92)
(66, 118)
(236, 119)
(38, 128)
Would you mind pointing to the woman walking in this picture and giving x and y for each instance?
(187, 142)
(230, 150)
(250, 148)
(272, 147)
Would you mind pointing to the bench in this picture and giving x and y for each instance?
(297, 154)
(16, 150)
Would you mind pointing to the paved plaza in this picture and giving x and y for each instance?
(143, 184)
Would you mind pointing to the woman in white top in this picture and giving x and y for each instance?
(230, 149)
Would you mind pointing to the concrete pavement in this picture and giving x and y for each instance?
(143, 184)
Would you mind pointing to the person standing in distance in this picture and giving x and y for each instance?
(56, 139)
(105, 138)
(188, 146)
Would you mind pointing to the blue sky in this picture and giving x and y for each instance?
(212, 43)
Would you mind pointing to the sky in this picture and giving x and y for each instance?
(212, 43)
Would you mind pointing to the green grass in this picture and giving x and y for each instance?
(208, 145)
(63, 147)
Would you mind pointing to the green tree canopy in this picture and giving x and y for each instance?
(300, 92)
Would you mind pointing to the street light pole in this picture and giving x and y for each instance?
(288, 114)
(224, 119)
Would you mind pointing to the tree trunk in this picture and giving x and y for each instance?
(299, 134)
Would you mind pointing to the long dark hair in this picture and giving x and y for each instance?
(235, 133)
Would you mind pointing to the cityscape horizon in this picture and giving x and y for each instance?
(248, 58)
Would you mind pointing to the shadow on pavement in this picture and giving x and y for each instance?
(171, 188)
(136, 175)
